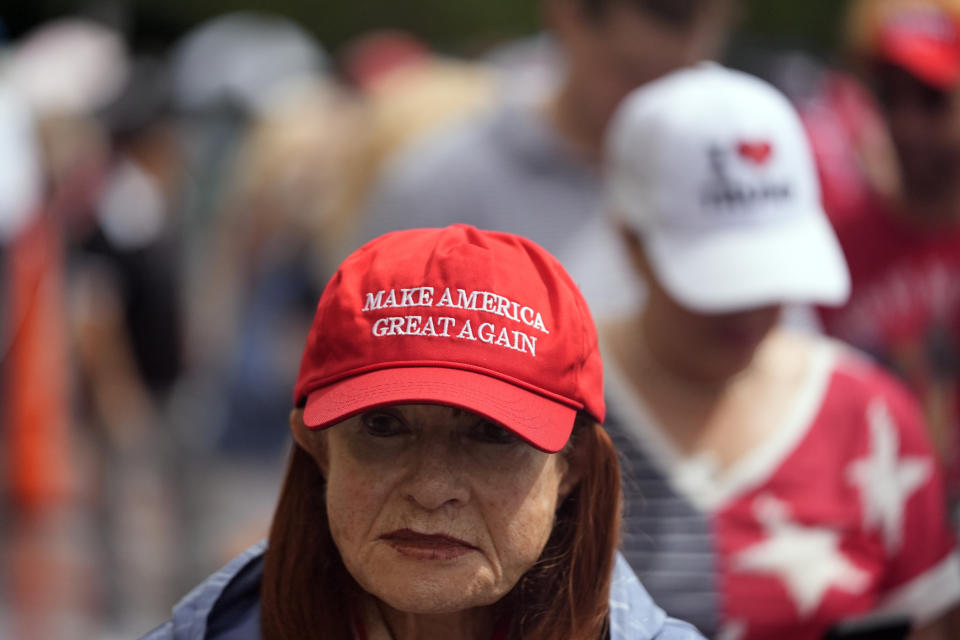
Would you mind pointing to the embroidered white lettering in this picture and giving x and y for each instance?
(426, 297)
(443, 326)
(447, 324)
(538, 324)
(406, 297)
(514, 311)
(466, 333)
(502, 306)
(413, 326)
(526, 343)
(485, 332)
(467, 302)
(374, 302)
(428, 329)
(379, 328)
(446, 300)
(396, 326)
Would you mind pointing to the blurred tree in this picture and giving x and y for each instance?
(811, 24)
(461, 26)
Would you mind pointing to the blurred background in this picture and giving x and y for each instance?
(468, 27)
(177, 182)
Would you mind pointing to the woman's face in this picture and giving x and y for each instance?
(435, 509)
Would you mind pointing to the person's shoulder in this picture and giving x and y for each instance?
(449, 175)
(436, 181)
(869, 232)
(867, 395)
(846, 365)
(453, 151)
(224, 606)
(635, 616)
(866, 377)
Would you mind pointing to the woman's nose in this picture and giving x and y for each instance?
(437, 477)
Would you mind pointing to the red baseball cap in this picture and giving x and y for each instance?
(480, 320)
(922, 37)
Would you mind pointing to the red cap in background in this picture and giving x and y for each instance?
(924, 39)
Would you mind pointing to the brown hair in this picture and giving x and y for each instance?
(307, 589)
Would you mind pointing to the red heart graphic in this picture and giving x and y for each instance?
(756, 152)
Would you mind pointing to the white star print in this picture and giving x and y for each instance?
(733, 630)
(885, 480)
(806, 559)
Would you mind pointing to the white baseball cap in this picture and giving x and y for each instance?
(712, 169)
(21, 179)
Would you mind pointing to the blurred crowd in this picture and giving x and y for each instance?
(168, 220)
(169, 216)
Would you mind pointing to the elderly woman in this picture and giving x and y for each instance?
(450, 478)
(778, 484)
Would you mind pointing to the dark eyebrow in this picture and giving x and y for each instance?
(458, 413)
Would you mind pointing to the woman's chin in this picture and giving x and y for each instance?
(429, 605)
(431, 602)
(435, 590)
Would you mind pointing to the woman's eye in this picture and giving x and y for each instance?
(486, 431)
(382, 424)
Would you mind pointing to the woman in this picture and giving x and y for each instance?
(776, 483)
(450, 478)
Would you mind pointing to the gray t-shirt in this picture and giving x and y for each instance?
(509, 170)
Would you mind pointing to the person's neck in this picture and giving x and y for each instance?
(653, 354)
(470, 624)
(572, 117)
(680, 400)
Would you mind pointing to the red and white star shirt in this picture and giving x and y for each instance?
(838, 514)
(904, 309)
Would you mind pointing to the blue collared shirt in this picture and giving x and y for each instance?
(226, 606)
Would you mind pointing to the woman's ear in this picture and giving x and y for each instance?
(571, 478)
(311, 441)
(575, 460)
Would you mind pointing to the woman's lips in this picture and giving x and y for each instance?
(424, 546)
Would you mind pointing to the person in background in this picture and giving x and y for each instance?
(903, 248)
(776, 483)
(405, 92)
(531, 166)
(849, 137)
(126, 322)
(450, 477)
(261, 122)
(53, 80)
(42, 560)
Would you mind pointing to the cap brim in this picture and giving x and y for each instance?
(933, 63)
(544, 423)
(799, 261)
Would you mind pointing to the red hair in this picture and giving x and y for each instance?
(306, 588)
